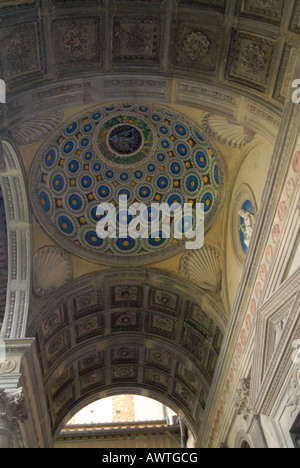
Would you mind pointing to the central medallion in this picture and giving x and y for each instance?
(125, 140)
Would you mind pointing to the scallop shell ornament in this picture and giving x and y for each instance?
(228, 133)
(37, 128)
(202, 267)
(52, 269)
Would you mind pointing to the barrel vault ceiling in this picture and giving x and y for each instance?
(146, 331)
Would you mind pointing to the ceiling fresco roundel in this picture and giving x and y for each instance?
(148, 154)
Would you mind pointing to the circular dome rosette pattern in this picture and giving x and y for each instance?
(148, 154)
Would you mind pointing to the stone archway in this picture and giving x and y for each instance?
(13, 341)
(15, 197)
(138, 331)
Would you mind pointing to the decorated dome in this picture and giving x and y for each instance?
(148, 154)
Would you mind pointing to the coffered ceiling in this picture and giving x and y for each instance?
(118, 332)
(249, 45)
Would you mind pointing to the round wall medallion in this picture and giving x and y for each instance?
(246, 224)
(243, 220)
(146, 154)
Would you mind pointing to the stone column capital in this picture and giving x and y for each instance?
(12, 408)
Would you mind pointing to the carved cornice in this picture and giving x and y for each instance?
(24, 109)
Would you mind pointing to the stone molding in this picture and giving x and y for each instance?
(268, 380)
(23, 109)
(14, 192)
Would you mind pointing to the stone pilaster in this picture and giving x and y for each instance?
(23, 412)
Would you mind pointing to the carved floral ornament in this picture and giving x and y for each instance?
(18, 52)
(20, 55)
(76, 41)
(124, 352)
(253, 58)
(196, 45)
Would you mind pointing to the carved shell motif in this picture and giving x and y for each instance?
(226, 132)
(37, 128)
(202, 267)
(52, 269)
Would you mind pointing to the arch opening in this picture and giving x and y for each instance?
(128, 420)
